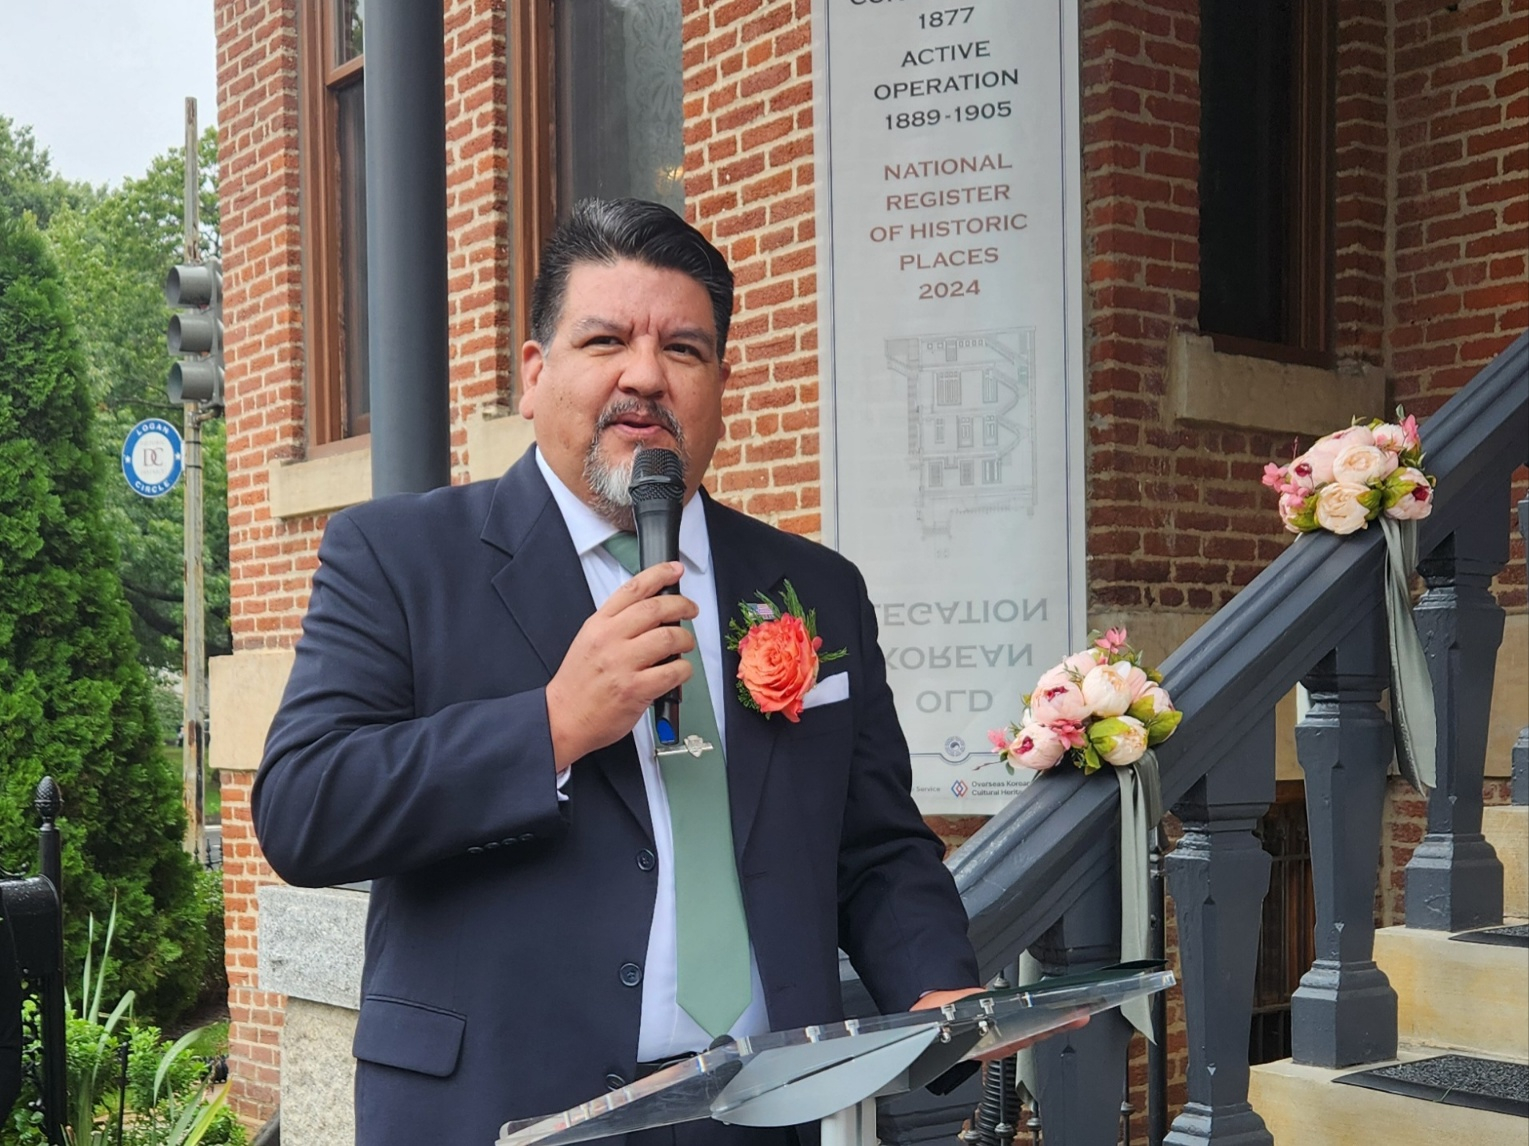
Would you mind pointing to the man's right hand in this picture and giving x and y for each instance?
(615, 667)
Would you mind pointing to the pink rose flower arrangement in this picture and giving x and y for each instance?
(1350, 477)
(1100, 706)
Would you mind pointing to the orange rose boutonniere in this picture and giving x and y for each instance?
(778, 657)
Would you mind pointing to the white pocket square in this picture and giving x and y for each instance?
(828, 690)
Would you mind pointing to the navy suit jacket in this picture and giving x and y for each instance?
(505, 931)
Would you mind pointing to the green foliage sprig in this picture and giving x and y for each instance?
(169, 1098)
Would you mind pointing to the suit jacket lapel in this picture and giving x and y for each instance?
(741, 571)
(542, 585)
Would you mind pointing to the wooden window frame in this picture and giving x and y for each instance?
(320, 208)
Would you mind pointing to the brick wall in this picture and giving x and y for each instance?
(268, 567)
(262, 269)
(1461, 290)
(749, 188)
(477, 215)
(1461, 263)
(1361, 150)
(1176, 516)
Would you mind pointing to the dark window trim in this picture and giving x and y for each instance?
(532, 161)
(1312, 180)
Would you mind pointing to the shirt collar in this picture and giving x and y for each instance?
(590, 531)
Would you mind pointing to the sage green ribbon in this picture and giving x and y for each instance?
(1141, 809)
(711, 934)
(1414, 724)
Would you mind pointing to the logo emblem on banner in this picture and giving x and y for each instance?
(152, 457)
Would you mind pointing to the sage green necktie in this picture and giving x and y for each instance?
(712, 936)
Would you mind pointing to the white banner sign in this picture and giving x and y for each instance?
(947, 161)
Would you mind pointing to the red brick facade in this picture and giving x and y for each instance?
(1432, 211)
(749, 185)
(268, 568)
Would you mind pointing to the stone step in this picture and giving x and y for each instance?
(1506, 827)
(1466, 996)
(1303, 1106)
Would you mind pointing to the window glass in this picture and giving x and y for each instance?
(350, 131)
(1266, 146)
(620, 123)
(349, 18)
(1245, 145)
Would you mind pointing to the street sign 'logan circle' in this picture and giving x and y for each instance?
(152, 457)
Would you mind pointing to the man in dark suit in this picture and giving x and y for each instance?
(467, 725)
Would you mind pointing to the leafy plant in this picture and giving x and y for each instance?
(162, 1095)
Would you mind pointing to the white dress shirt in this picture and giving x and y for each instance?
(666, 1029)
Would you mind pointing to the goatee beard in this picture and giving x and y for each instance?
(609, 483)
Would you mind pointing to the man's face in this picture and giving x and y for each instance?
(633, 363)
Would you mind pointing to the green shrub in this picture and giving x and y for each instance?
(161, 1093)
(168, 709)
(209, 889)
(74, 701)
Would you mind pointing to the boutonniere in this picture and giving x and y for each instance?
(777, 646)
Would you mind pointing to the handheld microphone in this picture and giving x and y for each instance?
(657, 488)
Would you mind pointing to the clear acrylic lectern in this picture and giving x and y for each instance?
(834, 1072)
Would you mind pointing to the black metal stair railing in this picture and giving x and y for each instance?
(32, 951)
(1041, 875)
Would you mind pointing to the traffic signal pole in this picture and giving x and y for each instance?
(192, 611)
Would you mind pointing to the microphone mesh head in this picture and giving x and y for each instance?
(657, 475)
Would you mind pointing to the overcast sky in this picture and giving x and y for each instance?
(102, 83)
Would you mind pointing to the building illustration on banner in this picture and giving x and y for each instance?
(971, 422)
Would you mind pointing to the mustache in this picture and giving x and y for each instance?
(652, 411)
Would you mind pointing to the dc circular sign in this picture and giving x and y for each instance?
(152, 457)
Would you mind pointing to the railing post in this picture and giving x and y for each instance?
(1344, 1011)
(47, 802)
(1454, 880)
(1521, 745)
(1081, 1074)
(1218, 877)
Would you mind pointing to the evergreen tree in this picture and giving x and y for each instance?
(74, 700)
(27, 181)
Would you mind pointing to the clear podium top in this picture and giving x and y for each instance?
(787, 1077)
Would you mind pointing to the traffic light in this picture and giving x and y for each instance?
(196, 333)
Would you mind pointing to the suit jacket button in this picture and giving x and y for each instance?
(491, 844)
(646, 860)
(527, 837)
(508, 842)
(475, 851)
(631, 974)
(614, 1082)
